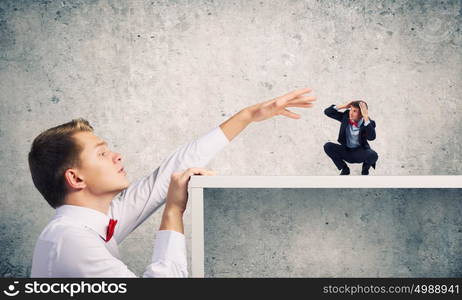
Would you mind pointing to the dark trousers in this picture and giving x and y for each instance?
(340, 153)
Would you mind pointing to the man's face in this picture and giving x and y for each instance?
(100, 168)
(355, 114)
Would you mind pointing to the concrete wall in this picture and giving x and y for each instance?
(150, 75)
(333, 232)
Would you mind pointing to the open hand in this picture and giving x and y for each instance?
(278, 106)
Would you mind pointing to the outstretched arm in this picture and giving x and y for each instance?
(146, 195)
(268, 109)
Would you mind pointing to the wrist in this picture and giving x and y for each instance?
(234, 125)
(173, 211)
(246, 115)
(172, 219)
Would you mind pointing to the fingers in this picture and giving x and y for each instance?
(297, 94)
(300, 105)
(290, 114)
(197, 171)
(294, 94)
(302, 100)
(296, 101)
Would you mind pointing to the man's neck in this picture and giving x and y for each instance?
(83, 198)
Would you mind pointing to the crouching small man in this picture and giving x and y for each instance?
(355, 130)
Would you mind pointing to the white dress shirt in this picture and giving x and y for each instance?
(73, 242)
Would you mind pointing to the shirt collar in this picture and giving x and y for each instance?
(91, 218)
(360, 121)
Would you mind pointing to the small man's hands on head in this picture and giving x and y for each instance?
(364, 110)
(278, 106)
(345, 106)
(177, 198)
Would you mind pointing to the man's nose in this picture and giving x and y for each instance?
(117, 157)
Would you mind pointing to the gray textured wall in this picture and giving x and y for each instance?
(150, 75)
(333, 232)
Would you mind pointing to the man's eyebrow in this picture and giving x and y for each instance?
(103, 143)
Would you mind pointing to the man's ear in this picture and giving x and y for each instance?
(74, 180)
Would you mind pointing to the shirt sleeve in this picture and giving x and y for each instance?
(146, 195)
(169, 256)
(335, 107)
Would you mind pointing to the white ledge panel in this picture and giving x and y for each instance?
(198, 183)
(325, 182)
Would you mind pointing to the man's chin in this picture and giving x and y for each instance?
(125, 185)
(122, 187)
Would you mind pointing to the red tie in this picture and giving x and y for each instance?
(110, 229)
(353, 123)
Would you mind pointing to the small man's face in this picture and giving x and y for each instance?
(355, 114)
(100, 168)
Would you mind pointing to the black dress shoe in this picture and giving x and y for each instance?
(365, 169)
(345, 171)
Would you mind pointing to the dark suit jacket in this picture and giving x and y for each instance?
(365, 132)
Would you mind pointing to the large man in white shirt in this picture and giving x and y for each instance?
(96, 207)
